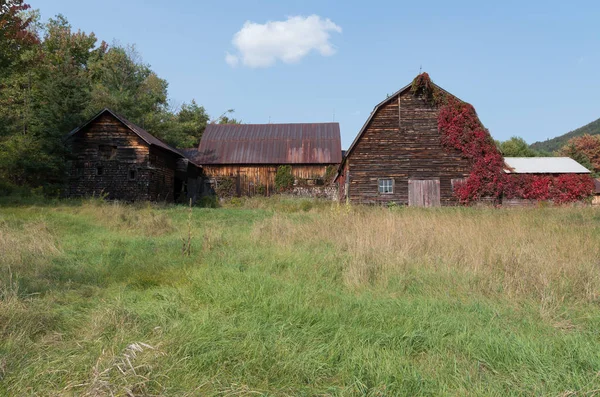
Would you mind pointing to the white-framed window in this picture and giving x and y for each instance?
(386, 186)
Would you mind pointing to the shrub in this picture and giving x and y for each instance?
(225, 187)
(261, 189)
(208, 202)
(284, 180)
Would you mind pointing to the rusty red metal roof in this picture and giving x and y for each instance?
(315, 143)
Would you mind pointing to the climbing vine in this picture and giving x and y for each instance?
(462, 130)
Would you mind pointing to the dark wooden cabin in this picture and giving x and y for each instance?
(115, 158)
(247, 156)
(397, 157)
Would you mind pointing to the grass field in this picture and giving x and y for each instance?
(284, 297)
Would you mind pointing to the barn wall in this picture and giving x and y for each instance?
(402, 142)
(162, 175)
(104, 154)
(260, 179)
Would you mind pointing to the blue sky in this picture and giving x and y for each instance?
(530, 68)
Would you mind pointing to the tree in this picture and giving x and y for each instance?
(516, 147)
(224, 119)
(184, 128)
(585, 150)
(123, 83)
(15, 35)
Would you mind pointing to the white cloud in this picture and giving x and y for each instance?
(261, 45)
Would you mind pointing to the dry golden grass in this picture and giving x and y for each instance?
(513, 252)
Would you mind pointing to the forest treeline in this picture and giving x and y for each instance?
(53, 78)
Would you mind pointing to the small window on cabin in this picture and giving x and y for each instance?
(99, 170)
(107, 152)
(132, 175)
(386, 186)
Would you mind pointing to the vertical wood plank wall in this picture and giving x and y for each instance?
(253, 176)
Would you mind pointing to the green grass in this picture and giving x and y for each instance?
(284, 297)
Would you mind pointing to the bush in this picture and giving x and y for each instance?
(225, 187)
(284, 180)
(208, 202)
(261, 189)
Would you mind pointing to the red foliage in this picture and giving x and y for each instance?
(585, 149)
(12, 25)
(571, 187)
(462, 130)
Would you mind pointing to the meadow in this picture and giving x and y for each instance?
(288, 297)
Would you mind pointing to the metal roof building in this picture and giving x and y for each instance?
(543, 165)
(243, 159)
(314, 143)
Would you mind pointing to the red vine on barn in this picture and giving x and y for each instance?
(462, 130)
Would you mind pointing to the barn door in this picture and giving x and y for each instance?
(424, 192)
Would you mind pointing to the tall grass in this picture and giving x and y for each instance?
(297, 297)
(549, 254)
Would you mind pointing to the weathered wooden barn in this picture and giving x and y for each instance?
(245, 157)
(115, 158)
(596, 199)
(397, 157)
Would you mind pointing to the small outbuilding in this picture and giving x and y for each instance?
(113, 157)
(534, 176)
(596, 199)
(245, 157)
(543, 165)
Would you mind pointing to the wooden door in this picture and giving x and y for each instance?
(424, 192)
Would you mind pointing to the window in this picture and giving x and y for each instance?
(132, 175)
(386, 186)
(99, 170)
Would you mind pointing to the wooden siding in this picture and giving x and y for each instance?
(109, 159)
(402, 142)
(252, 179)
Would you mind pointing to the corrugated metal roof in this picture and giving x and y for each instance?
(315, 143)
(544, 165)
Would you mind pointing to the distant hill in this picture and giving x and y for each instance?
(550, 145)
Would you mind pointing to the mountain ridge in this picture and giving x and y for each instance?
(552, 145)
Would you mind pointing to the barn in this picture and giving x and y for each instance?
(398, 157)
(423, 146)
(112, 157)
(244, 158)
